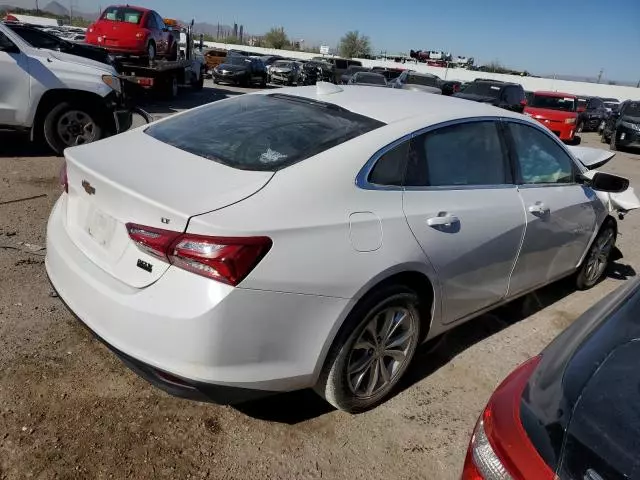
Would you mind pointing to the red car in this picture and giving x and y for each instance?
(556, 111)
(123, 29)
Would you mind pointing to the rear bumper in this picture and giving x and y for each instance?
(208, 335)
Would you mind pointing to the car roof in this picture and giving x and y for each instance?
(132, 7)
(413, 73)
(395, 105)
(545, 93)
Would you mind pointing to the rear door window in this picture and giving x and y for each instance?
(262, 132)
(390, 167)
(463, 154)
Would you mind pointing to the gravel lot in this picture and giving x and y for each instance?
(70, 409)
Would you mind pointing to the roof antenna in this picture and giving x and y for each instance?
(326, 88)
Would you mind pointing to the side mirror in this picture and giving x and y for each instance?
(606, 182)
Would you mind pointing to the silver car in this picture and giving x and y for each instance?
(420, 82)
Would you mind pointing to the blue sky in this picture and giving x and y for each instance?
(571, 37)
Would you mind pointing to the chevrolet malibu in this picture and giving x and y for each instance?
(314, 237)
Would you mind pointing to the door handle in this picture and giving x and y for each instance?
(539, 208)
(441, 220)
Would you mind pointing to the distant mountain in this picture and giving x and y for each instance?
(56, 8)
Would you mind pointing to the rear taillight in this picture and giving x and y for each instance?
(226, 259)
(64, 181)
(500, 448)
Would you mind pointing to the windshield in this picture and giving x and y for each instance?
(122, 14)
(39, 39)
(566, 104)
(425, 80)
(371, 78)
(632, 109)
(262, 132)
(282, 64)
(353, 69)
(612, 105)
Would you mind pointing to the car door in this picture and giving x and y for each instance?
(562, 215)
(465, 212)
(14, 83)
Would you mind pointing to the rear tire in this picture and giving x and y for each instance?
(372, 350)
(151, 52)
(173, 55)
(597, 259)
(198, 84)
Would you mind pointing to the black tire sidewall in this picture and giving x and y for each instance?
(581, 278)
(332, 384)
(51, 119)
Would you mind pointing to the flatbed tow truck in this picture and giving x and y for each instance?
(165, 76)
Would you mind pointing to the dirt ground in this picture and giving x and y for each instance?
(70, 409)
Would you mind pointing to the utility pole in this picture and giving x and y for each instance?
(37, 8)
(600, 75)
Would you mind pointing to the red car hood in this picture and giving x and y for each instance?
(548, 114)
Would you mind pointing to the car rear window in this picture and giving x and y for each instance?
(262, 132)
(372, 78)
(122, 14)
(485, 89)
(423, 80)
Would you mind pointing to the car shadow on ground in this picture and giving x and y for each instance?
(18, 144)
(300, 406)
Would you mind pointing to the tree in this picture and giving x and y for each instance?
(355, 45)
(276, 38)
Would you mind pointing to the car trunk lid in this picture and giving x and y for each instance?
(114, 33)
(134, 178)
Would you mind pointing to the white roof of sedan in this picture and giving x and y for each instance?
(392, 105)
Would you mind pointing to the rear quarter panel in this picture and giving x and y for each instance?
(307, 210)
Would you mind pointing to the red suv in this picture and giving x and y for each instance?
(124, 29)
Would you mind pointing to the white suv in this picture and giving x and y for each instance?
(63, 99)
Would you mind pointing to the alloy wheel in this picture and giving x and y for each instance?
(599, 255)
(381, 351)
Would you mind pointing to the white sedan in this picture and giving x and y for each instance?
(314, 237)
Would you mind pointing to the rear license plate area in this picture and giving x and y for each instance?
(100, 227)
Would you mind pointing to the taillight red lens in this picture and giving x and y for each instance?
(64, 181)
(154, 241)
(226, 259)
(500, 448)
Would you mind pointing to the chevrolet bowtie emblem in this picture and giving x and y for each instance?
(88, 188)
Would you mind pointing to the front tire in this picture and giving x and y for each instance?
(613, 146)
(597, 259)
(68, 125)
(373, 350)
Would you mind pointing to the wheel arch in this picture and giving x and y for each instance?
(412, 276)
(53, 97)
